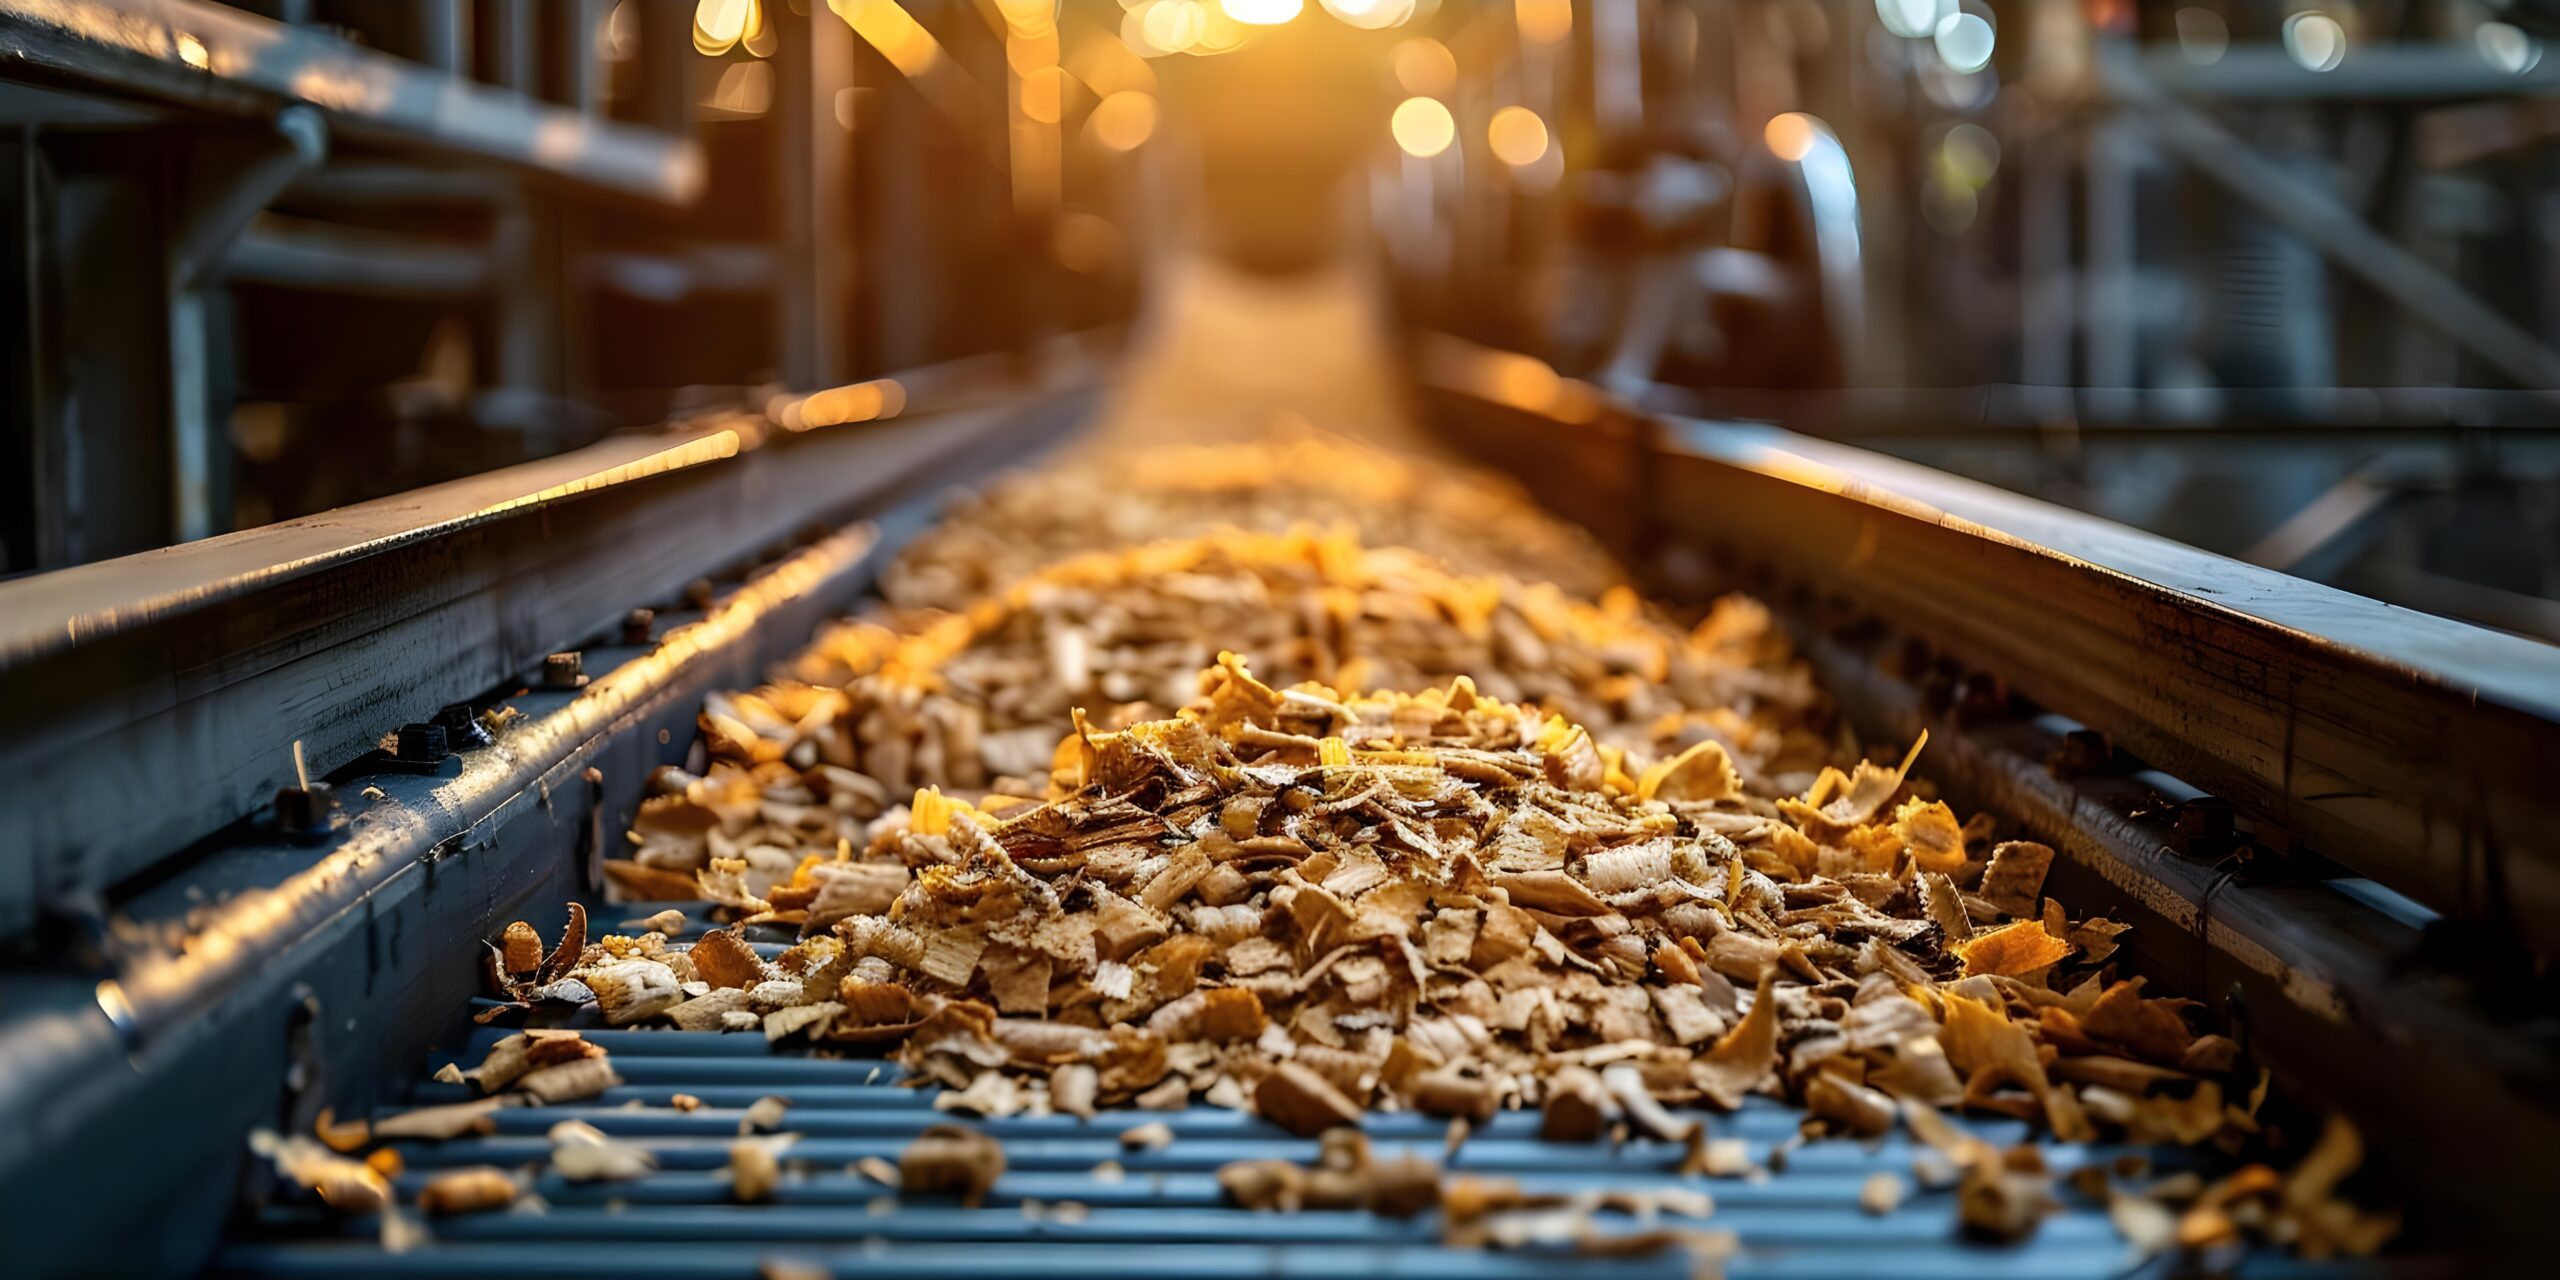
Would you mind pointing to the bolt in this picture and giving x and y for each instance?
(2204, 818)
(698, 593)
(462, 728)
(1980, 697)
(2083, 752)
(2205, 827)
(420, 744)
(564, 671)
(636, 625)
(303, 813)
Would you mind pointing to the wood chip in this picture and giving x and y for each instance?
(1302, 1102)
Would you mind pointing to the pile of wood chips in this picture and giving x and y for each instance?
(978, 701)
(1463, 518)
(1296, 823)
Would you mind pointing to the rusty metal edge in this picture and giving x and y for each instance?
(2402, 745)
(200, 706)
(445, 861)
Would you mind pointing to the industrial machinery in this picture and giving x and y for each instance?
(268, 794)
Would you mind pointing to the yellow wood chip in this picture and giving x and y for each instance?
(2011, 950)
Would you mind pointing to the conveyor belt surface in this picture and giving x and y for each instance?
(1161, 1214)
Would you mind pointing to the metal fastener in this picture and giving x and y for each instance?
(2204, 818)
(637, 624)
(420, 744)
(302, 813)
(2205, 827)
(1980, 697)
(564, 671)
(2083, 751)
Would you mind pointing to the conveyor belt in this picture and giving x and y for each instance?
(1162, 1215)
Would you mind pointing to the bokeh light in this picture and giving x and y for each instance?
(1790, 136)
(2507, 48)
(1423, 127)
(2315, 40)
(1965, 41)
(1425, 67)
(1261, 13)
(1544, 21)
(1124, 120)
(2202, 35)
(721, 25)
(1910, 19)
(1370, 14)
(1518, 137)
(1044, 94)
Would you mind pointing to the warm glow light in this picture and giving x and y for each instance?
(1084, 243)
(1370, 15)
(719, 25)
(1790, 136)
(1518, 137)
(1523, 382)
(1124, 121)
(1108, 66)
(745, 89)
(1028, 17)
(1172, 26)
(893, 31)
(192, 52)
(1044, 95)
(1423, 127)
(1262, 13)
(1543, 21)
(1218, 32)
(861, 402)
(1425, 67)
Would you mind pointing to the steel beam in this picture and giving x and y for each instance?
(2413, 73)
(2410, 753)
(187, 674)
(2318, 217)
(299, 253)
(2409, 747)
(219, 59)
(312, 978)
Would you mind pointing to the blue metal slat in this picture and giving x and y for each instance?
(1138, 1213)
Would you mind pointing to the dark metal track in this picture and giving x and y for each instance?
(250, 980)
(188, 674)
(1162, 1216)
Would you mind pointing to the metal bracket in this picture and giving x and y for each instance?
(232, 178)
(2321, 221)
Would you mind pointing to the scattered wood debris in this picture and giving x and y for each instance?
(346, 1186)
(1882, 1193)
(1311, 902)
(1155, 1135)
(754, 1170)
(1474, 844)
(476, 1189)
(581, 1152)
(948, 1160)
(1471, 519)
(765, 1115)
